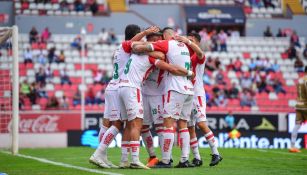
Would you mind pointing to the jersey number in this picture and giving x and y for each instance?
(127, 66)
(187, 65)
(115, 73)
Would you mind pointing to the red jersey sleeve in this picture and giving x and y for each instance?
(161, 46)
(202, 60)
(152, 60)
(190, 50)
(127, 46)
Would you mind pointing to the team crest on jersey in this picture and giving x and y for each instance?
(180, 44)
(141, 111)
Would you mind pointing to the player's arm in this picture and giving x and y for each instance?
(139, 36)
(157, 55)
(173, 69)
(200, 54)
(161, 46)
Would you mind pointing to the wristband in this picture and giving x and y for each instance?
(190, 73)
(157, 61)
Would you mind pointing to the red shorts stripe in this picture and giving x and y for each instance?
(134, 145)
(144, 131)
(192, 143)
(200, 101)
(183, 130)
(125, 145)
(168, 96)
(163, 101)
(159, 130)
(209, 137)
(138, 95)
(168, 130)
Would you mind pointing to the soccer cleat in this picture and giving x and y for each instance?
(215, 159)
(294, 150)
(185, 164)
(197, 162)
(109, 163)
(124, 165)
(98, 162)
(152, 162)
(161, 164)
(138, 165)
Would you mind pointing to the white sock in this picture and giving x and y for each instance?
(125, 151)
(294, 134)
(168, 141)
(147, 139)
(135, 151)
(108, 137)
(194, 148)
(184, 136)
(102, 130)
(212, 143)
(159, 131)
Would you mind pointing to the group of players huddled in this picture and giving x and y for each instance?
(157, 82)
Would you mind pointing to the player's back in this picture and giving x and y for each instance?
(302, 93)
(154, 84)
(198, 67)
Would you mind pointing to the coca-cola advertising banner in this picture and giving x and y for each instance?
(45, 123)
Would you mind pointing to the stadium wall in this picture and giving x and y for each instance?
(255, 27)
(6, 13)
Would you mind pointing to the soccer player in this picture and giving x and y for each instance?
(301, 110)
(198, 113)
(179, 96)
(130, 98)
(111, 122)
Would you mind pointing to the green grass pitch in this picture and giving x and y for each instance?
(236, 162)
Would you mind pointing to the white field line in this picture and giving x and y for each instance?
(284, 153)
(63, 164)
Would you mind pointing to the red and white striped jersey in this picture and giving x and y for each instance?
(178, 54)
(120, 57)
(137, 70)
(198, 67)
(154, 84)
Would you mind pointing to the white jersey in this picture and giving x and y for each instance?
(136, 70)
(198, 67)
(154, 84)
(120, 58)
(178, 54)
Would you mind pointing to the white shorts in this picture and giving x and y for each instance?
(112, 110)
(153, 108)
(198, 113)
(130, 102)
(177, 105)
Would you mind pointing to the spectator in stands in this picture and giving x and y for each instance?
(280, 33)
(64, 103)
(259, 63)
(76, 43)
(64, 77)
(51, 55)
(94, 7)
(206, 78)
(268, 3)
(233, 91)
(214, 41)
(222, 40)
(99, 97)
(299, 65)
(27, 56)
(292, 53)
(247, 99)
(21, 101)
(267, 65)
(217, 63)
(33, 94)
(40, 76)
(77, 98)
(231, 65)
(78, 6)
(112, 37)
(238, 65)
(61, 57)
(41, 92)
(220, 99)
(64, 6)
(90, 97)
(261, 81)
(46, 34)
(305, 52)
(33, 35)
(103, 36)
(25, 88)
(210, 64)
(252, 66)
(255, 3)
(294, 39)
(219, 78)
(277, 86)
(98, 77)
(275, 67)
(246, 82)
(49, 74)
(42, 59)
(52, 103)
(267, 32)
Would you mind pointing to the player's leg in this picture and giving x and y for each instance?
(194, 145)
(298, 121)
(157, 105)
(105, 126)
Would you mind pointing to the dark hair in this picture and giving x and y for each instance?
(131, 30)
(305, 69)
(195, 35)
(167, 28)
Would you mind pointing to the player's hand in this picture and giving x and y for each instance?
(152, 29)
(181, 39)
